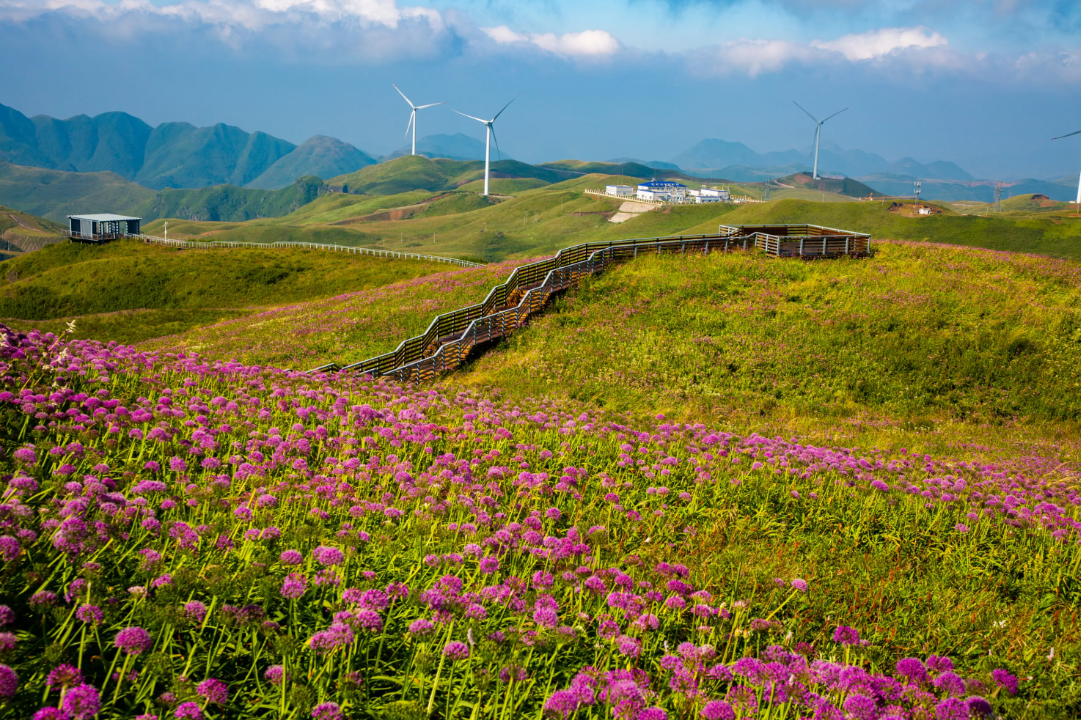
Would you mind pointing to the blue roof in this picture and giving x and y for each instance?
(665, 184)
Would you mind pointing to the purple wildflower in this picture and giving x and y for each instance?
(845, 635)
(1005, 680)
(327, 711)
(134, 640)
(274, 674)
(195, 611)
(7, 615)
(9, 682)
(325, 556)
(82, 702)
(718, 710)
(456, 650)
(294, 586)
(913, 670)
(9, 548)
(90, 614)
(214, 690)
(951, 709)
(189, 711)
(49, 713)
(64, 676)
(799, 584)
(421, 626)
(291, 557)
(978, 707)
(861, 707)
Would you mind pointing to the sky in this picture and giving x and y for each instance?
(984, 83)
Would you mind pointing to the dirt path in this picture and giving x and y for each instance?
(19, 220)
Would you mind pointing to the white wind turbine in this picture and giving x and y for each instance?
(818, 131)
(488, 142)
(1079, 180)
(413, 116)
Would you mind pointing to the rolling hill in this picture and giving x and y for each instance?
(130, 291)
(321, 156)
(55, 194)
(171, 155)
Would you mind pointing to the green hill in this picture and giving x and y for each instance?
(231, 204)
(929, 335)
(546, 219)
(54, 194)
(129, 291)
(22, 232)
(417, 172)
(320, 156)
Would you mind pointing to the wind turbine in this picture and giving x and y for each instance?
(488, 142)
(818, 131)
(1079, 180)
(413, 116)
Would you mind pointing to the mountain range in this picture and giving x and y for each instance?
(127, 158)
(736, 161)
(171, 155)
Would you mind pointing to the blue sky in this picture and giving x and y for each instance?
(985, 83)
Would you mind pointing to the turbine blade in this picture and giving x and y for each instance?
(835, 114)
(1066, 136)
(485, 122)
(804, 110)
(504, 108)
(498, 154)
(403, 95)
(410, 123)
(421, 107)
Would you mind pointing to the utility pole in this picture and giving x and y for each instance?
(998, 197)
(917, 187)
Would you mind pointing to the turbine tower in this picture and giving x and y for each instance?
(413, 116)
(1079, 180)
(489, 124)
(818, 131)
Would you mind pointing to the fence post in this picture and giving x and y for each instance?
(800, 247)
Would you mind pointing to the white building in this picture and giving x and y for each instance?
(619, 190)
(708, 195)
(662, 191)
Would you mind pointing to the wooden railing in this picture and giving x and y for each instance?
(451, 336)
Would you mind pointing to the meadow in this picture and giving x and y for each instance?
(187, 538)
(129, 291)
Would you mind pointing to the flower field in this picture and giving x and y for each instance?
(183, 538)
(345, 328)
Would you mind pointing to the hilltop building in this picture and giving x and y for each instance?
(619, 190)
(662, 191)
(709, 195)
(98, 228)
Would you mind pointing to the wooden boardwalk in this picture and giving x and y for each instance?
(451, 336)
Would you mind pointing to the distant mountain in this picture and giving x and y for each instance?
(55, 194)
(938, 170)
(321, 156)
(736, 161)
(453, 147)
(655, 164)
(952, 191)
(171, 155)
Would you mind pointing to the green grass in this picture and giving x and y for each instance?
(180, 288)
(918, 337)
(54, 194)
(345, 328)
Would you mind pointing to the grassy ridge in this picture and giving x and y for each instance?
(177, 289)
(544, 220)
(917, 336)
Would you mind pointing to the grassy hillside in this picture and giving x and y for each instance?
(54, 194)
(22, 232)
(345, 328)
(230, 203)
(543, 220)
(391, 549)
(917, 336)
(174, 290)
(417, 172)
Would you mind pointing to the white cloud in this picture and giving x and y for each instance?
(251, 15)
(755, 57)
(585, 44)
(884, 41)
